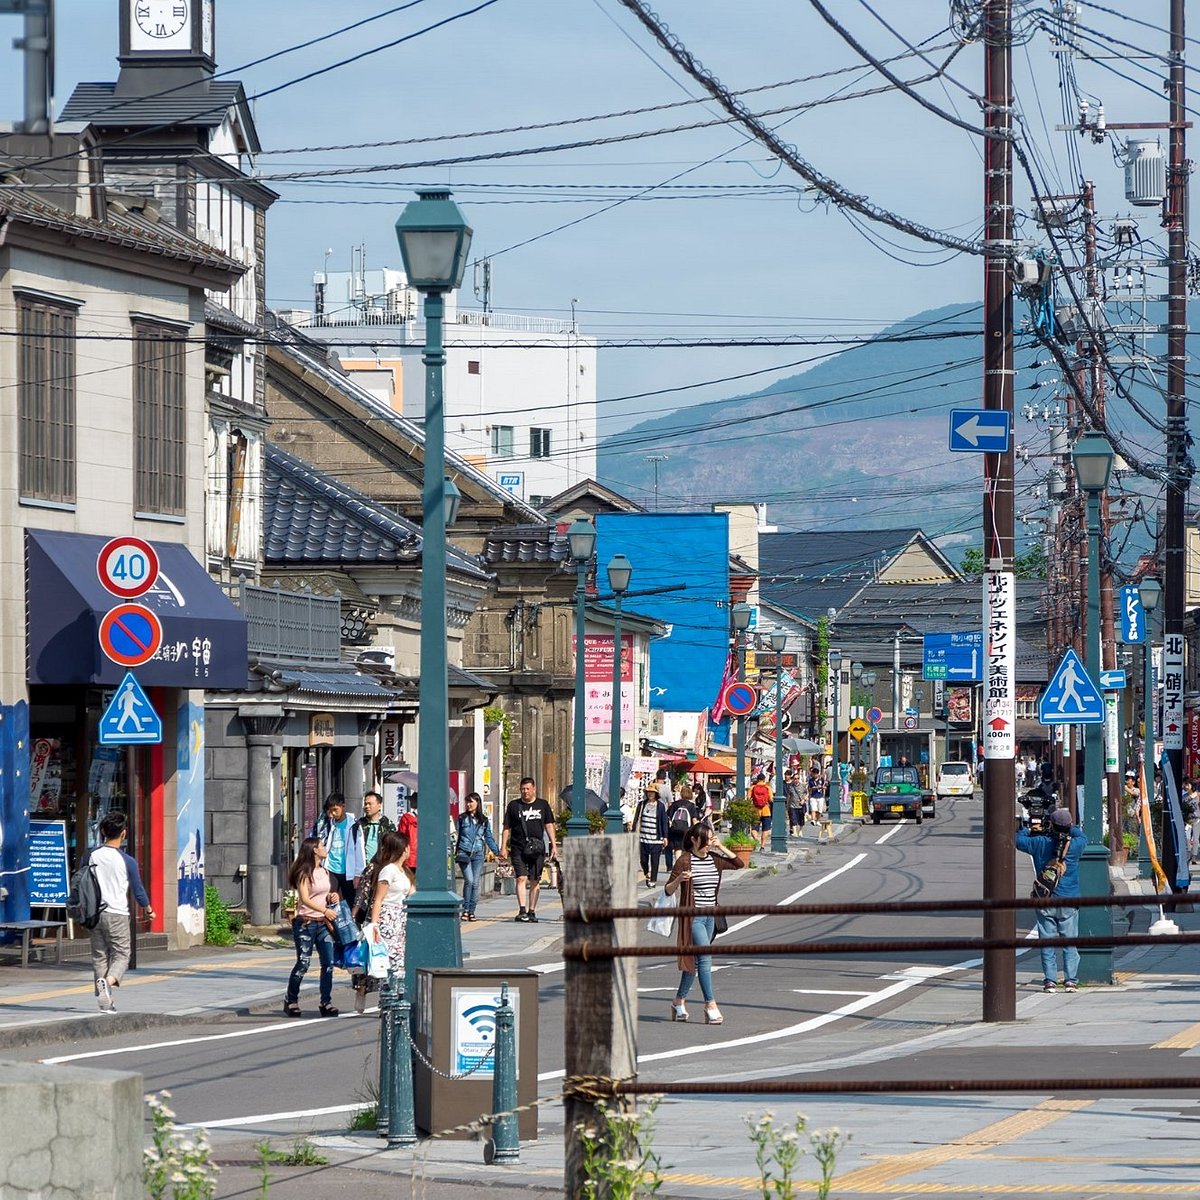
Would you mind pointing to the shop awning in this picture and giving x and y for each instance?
(204, 633)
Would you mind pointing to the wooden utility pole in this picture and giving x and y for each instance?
(1175, 218)
(999, 581)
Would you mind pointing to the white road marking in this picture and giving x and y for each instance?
(263, 1118)
(827, 992)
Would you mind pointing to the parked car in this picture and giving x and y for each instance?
(955, 779)
(898, 792)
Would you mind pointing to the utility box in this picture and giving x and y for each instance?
(455, 1022)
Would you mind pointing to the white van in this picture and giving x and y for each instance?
(955, 779)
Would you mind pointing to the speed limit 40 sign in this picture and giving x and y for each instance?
(127, 567)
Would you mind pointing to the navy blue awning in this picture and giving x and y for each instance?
(204, 632)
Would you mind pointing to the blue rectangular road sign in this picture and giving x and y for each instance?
(980, 430)
(1133, 616)
(953, 656)
(1112, 681)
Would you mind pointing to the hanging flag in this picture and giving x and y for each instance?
(718, 707)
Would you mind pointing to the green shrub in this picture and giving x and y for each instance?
(218, 928)
(742, 815)
(595, 820)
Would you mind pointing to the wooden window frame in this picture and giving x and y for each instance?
(46, 403)
(159, 419)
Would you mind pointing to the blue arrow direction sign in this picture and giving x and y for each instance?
(953, 656)
(1071, 698)
(980, 430)
(1112, 681)
(130, 719)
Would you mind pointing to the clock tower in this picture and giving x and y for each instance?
(164, 44)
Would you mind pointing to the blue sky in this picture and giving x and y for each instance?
(743, 251)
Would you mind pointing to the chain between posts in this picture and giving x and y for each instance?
(462, 1075)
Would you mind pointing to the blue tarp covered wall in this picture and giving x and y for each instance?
(687, 665)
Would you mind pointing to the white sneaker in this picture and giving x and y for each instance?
(104, 996)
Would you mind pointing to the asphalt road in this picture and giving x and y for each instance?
(861, 1017)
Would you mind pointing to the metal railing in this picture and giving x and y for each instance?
(291, 626)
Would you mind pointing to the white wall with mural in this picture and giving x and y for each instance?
(190, 822)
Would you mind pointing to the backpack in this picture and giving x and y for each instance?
(681, 820)
(760, 794)
(1046, 882)
(84, 904)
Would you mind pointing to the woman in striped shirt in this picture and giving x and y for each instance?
(697, 877)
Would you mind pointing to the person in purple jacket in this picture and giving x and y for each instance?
(116, 873)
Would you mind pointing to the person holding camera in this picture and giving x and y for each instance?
(1056, 852)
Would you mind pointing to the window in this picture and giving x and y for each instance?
(46, 399)
(472, 366)
(539, 443)
(540, 501)
(160, 439)
(502, 441)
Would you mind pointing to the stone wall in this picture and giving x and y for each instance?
(225, 801)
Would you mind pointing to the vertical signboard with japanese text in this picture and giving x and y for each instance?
(1172, 692)
(999, 685)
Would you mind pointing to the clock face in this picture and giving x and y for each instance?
(161, 20)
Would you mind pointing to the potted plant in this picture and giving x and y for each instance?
(742, 816)
(291, 899)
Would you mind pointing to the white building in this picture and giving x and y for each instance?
(520, 391)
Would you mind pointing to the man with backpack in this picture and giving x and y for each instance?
(681, 816)
(761, 797)
(1056, 853)
(116, 872)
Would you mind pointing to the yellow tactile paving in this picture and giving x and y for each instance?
(999, 1133)
(137, 979)
(1186, 1039)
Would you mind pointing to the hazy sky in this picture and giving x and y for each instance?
(709, 237)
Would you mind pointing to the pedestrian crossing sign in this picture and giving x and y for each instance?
(130, 719)
(1071, 697)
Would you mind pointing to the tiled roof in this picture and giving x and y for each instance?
(312, 518)
(312, 358)
(808, 573)
(129, 229)
(348, 683)
(217, 316)
(203, 106)
(526, 544)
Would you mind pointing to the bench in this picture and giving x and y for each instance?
(26, 928)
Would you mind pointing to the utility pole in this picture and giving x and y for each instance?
(1179, 469)
(656, 459)
(999, 582)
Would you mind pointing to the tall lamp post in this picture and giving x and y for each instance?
(741, 622)
(581, 538)
(1093, 457)
(434, 243)
(869, 679)
(1149, 592)
(834, 802)
(619, 572)
(779, 813)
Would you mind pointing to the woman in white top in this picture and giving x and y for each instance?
(392, 887)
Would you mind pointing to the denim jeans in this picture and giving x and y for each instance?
(306, 934)
(702, 935)
(472, 870)
(1059, 922)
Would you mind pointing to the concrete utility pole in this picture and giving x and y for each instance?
(38, 45)
(999, 583)
(1179, 469)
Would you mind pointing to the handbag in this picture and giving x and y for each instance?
(349, 958)
(345, 932)
(662, 923)
(377, 952)
(720, 924)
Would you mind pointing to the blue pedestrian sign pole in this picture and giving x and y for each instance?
(130, 719)
(1071, 697)
(980, 430)
(1133, 615)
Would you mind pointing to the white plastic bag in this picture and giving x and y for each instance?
(377, 952)
(662, 923)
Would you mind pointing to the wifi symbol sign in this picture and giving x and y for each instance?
(482, 1018)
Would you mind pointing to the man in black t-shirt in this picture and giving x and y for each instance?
(528, 824)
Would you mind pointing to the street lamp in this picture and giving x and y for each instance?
(779, 814)
(619, 571)
(869, 679)
(833, 803)
(1093, 457)
(1149, 592)
(434, 242)
(581, 539)
(741, 622)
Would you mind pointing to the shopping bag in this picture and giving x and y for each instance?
(662, 922)
(351, 958)
(376, 951)
(345, 932)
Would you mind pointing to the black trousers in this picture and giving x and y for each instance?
(651, 852)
